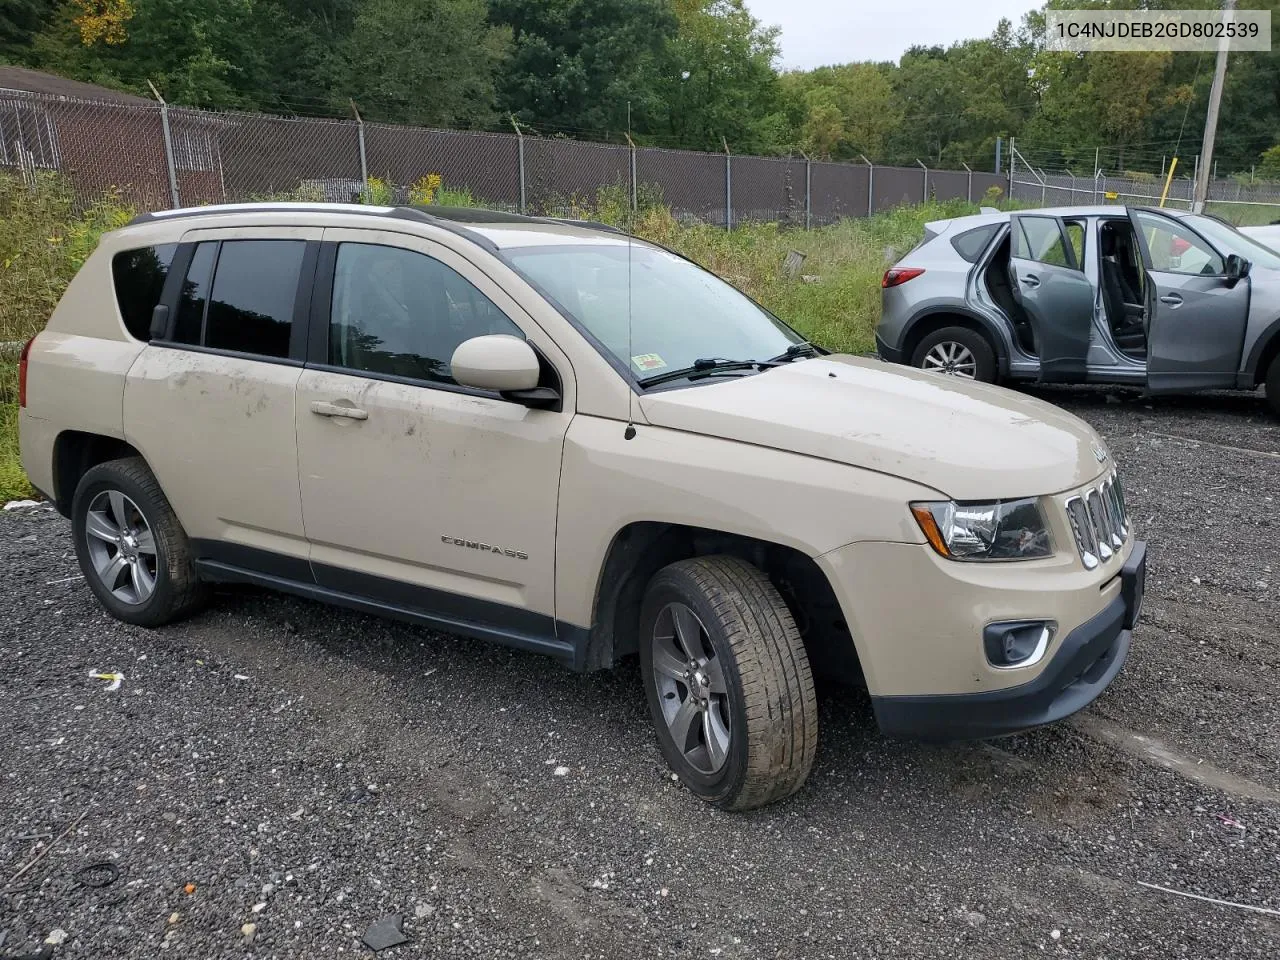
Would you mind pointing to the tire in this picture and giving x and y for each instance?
(1273, 386)
(128, 487)
(963, 339)
(763, 716)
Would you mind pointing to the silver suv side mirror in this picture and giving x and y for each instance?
(1237, 268)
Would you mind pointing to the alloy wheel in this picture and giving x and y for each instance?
(951, 358)
(122, 547)
(692, 690)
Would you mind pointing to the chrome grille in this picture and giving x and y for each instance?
(1099, 522)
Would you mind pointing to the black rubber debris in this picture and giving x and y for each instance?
(385, 933)
(97, 875)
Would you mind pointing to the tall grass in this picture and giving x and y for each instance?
(43, 242)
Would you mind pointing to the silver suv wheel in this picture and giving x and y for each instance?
(951, 358)
(121, 547)
(691, 688)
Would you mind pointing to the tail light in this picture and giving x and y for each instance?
(22, 372)
(896, 276)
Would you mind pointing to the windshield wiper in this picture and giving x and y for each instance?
(702, 368)
(795, 352)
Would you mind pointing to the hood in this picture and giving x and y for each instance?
(969, 441)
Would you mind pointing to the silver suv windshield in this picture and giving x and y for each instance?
(679, 313)
(1230, 240)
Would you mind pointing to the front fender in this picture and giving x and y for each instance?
(670, 476)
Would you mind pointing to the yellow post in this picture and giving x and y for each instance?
(1168, 180)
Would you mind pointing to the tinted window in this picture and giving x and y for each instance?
(971, 243)
(1175, 248)
(195, 293)
(1039, 238)
(253, 292)
(139, 280)
(403, 313)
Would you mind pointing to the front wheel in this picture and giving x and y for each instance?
(728, 682)
(957, 352)
(1273, 386)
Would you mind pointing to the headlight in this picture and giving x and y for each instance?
(1003, 530)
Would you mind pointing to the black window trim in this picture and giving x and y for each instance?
(317, 352)
(299, 329)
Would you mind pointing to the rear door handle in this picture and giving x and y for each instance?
(325, 409)
(1172, 299)
(1031, 281)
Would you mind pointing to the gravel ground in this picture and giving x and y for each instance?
(276, 763)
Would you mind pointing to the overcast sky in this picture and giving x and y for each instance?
(818, 32)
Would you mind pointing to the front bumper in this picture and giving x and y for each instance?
(1084, 665)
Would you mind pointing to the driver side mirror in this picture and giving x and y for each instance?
(1237, 268)
(506, 364)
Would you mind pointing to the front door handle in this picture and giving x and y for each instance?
(1172, 299)
(1031, 280)
(325, 409)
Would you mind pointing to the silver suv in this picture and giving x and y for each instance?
(1160, 299)
(549, 435)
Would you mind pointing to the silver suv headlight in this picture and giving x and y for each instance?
(999, 530)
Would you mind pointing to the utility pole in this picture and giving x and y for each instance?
(1211, 118)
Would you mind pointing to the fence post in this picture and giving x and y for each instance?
(968, 190)
(635, 196)
(924, 196)
(1073, 186)
(1013, 159)
(728, 186)
(364, 158)
(808, 191)
(168, 146)
(871, 183)
(1044, 188)
(520, 154)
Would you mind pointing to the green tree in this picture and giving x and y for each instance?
(20, 21)
(425, 61)
(718, 81)
(576, 64)
(841, 112)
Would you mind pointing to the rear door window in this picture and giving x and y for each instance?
(1040, 239)
(254, 287)
(139, 277)
(239, 296)
(189, 326)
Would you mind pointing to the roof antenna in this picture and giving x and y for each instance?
(630, 432)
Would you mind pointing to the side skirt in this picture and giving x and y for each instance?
(487, 624)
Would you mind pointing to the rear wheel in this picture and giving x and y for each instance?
(1273, 385)
(957, 352)
(134, 554)
(728, 682)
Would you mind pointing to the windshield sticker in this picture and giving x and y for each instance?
(648, 361)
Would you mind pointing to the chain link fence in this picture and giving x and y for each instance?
(1239, 200)
(159, 156)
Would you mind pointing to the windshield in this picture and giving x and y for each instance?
(1230, 240)
(679, 312)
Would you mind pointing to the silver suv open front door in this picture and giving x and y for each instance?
(1196, 314)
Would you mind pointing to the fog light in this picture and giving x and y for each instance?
(1017, 643)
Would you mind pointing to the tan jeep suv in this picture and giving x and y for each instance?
(547, 434)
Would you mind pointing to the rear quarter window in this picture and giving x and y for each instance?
(971, 243)
(139, 277)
